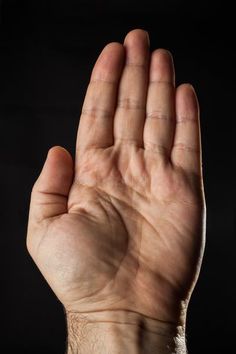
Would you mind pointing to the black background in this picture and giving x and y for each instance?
(47, 51)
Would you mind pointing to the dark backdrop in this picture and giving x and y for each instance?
(47, 51)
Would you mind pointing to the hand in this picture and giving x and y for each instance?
(123, 227)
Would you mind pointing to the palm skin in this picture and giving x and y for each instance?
(123, 228)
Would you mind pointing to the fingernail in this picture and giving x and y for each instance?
(148, 38)
(192, 88)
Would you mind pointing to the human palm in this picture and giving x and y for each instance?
(122, 227)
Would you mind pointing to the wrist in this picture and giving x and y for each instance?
(122, 331)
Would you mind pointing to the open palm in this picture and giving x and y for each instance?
(123, 227)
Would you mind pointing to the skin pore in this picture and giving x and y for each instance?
(119, 233)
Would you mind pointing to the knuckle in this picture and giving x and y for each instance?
(127, 141)
(185, 147)
(158, 115)
(139, 65)
(129, 103)
(96, 113)
(161, 149)
(180, 119)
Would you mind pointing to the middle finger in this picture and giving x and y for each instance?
(131, 103)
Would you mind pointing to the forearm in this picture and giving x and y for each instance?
(116, 332)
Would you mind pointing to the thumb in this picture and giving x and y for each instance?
(50, 192)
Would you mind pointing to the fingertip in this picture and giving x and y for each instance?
(112, 49)
(57, 172)
(109, 64)
(57, 148)
(187, 89)
(192, 89)
(136, 34)
(115, 46)
(164, 53)
(162, 67)
(187, 106)
(51, 189)
(59, 162)
(137, 38)
(58, 152)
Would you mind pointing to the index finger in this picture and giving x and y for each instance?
(96, 120)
